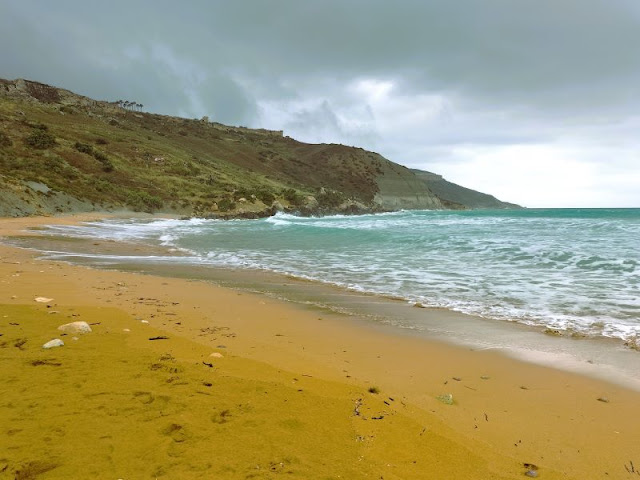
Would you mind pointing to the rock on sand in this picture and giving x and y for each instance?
(75, 327)
(56, 342)
(43, 299)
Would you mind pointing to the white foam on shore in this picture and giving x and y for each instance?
(601, 358)
(577, 274)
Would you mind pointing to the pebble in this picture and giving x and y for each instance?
(603, 399)
(216, 355)
(447, 399)
(56, 342)
(126, 330)
(75, 327)
(43, 299)
(532, 470)
(144, 321)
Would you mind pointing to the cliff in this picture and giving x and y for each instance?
(61, 152)
(448, 191)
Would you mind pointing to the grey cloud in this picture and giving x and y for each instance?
(225, 100)
(314, 119)
(514, 71)
(528, 52)
(548, 52)
(316, 123)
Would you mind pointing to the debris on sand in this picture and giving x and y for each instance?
(56, 342)
(447, 398)
(75, 327)
(43, 299)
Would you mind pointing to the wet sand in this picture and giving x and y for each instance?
(290, 394)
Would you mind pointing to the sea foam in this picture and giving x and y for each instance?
(574, 270)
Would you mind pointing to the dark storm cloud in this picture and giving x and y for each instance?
(547, 52)
(110, 51)
(416, 80)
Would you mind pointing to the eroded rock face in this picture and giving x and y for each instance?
(311, 202)
(20, 199)
(399, 188)
(450, 193)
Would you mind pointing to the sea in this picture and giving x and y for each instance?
(567, 271)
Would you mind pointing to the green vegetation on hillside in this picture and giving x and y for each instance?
(106, 155)
(114, 157)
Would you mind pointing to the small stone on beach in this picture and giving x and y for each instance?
(532, 470)
(216, 355)
(603, 399)
(43, 299)
(75, 327)
(447, 399)
(553, 331)
(56, 342)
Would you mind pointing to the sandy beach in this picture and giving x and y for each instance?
(184, 379)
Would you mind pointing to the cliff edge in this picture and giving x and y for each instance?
(63, 152)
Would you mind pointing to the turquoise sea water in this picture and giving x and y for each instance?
(570, 269)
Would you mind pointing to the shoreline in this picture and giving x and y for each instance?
(603, 358)
(573, 318)
(520, 413)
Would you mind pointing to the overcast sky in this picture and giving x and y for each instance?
(534, 101)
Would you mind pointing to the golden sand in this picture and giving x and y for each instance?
(287, 392)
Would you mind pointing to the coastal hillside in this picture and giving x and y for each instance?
(450, 192)
(63, 152)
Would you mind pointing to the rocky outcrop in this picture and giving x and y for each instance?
(21, 199)
(27, 90)
(399, 188)
(450, 192)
